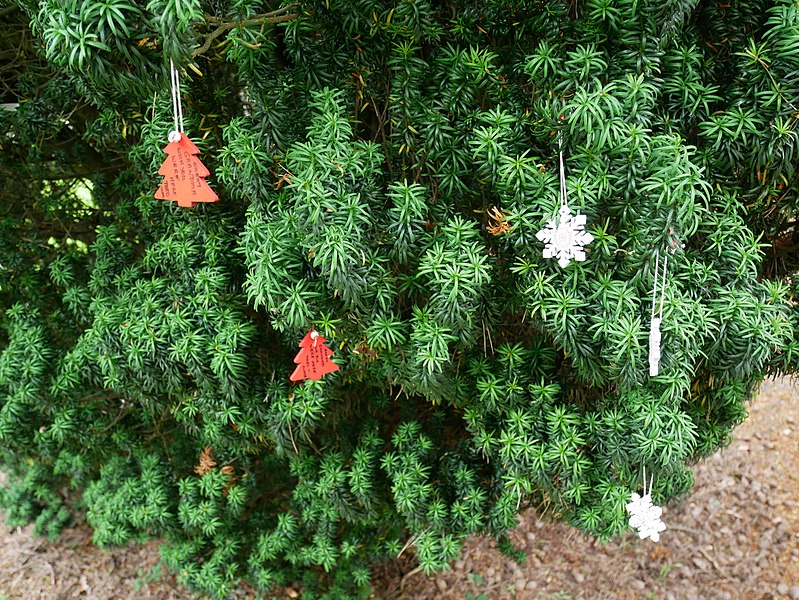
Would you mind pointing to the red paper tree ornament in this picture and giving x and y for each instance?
(313, 359)
(184, 174)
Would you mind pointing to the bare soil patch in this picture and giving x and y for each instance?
(737, 536)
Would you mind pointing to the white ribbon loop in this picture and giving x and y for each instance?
(177, 106)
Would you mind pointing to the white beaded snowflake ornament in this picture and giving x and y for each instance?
(644, 515)
(565, 236)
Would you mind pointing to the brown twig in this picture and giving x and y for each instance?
(28, 555)
(120, 415)
(276, 16)
(713, 562)
(684, 529)
(293, 443)
(407, 576)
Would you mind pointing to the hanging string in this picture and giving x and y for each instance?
(656, 316)
(563, 201)
(659, 310)
(177, 106)
(663, 284)
(655, 285)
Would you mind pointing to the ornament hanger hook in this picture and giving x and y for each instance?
(177, 106)
(563, 199)
(661, 269)
(644, 478)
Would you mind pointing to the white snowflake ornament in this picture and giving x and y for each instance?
(645, 516)
(565, 237)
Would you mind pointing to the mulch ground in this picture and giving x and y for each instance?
(736, 537)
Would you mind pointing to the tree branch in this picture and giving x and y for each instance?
(256, 19)
(58, 175)
(276, 16)
(8, 10)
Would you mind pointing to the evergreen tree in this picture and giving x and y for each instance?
(382, 170)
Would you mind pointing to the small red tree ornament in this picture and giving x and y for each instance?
(184, 174)
(313, 359)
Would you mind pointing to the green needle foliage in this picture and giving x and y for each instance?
(383, 168)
